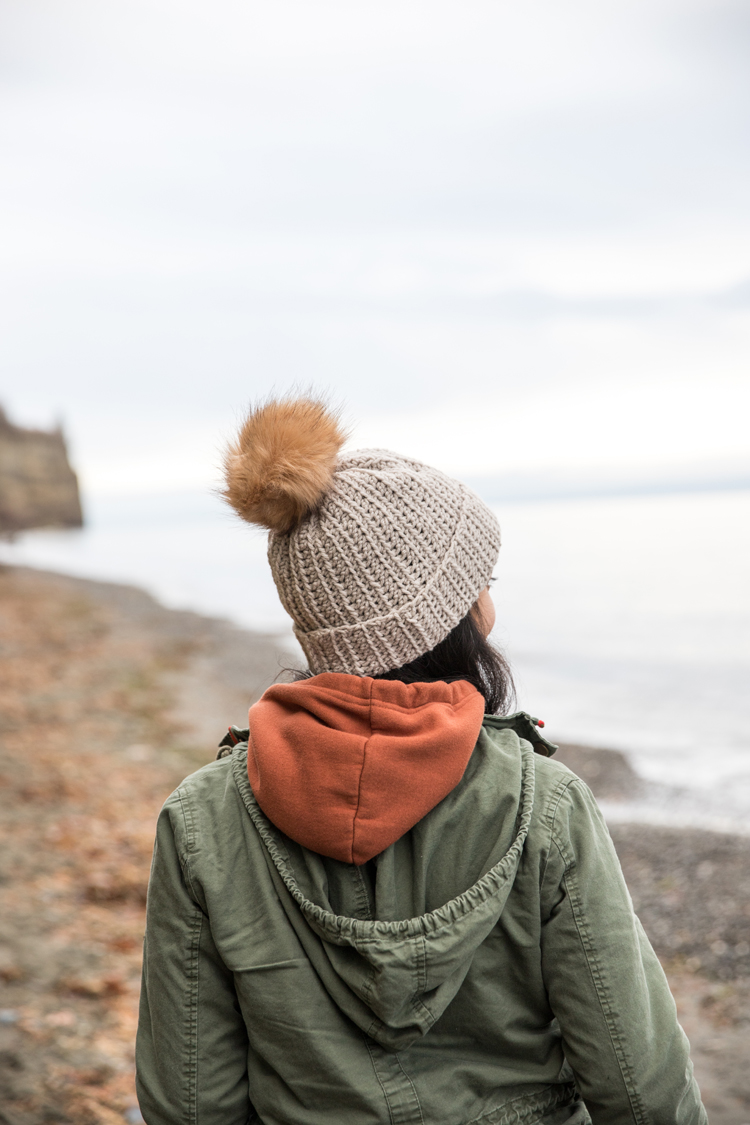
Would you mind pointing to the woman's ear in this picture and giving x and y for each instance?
(483, 612)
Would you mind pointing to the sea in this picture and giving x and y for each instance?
(626, 619)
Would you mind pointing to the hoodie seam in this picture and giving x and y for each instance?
(361, 775)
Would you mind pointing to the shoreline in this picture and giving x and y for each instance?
(108, 700)
(626, 797)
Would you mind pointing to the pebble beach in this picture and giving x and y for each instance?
(108, 699)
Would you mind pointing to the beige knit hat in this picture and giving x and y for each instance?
(375, 557)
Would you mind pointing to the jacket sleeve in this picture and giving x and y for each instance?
(191, 1047)
(606, 987)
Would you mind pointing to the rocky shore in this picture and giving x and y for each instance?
(106, 701)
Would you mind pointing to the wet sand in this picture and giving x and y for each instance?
(106, 701)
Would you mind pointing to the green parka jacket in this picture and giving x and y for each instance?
(486, 967)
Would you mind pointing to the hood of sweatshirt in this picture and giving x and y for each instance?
(345, 765)
(392, 941)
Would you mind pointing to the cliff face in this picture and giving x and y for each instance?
(38, 488)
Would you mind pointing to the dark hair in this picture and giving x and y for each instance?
(465, 654)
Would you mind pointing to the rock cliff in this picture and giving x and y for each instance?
(38, 488)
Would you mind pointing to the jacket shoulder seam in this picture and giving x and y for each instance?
(567, 784)
(550, 816)
(189, 830)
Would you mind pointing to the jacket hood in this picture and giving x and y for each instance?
(392, 942)
(345, 765)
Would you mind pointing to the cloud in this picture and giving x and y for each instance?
(459, 217)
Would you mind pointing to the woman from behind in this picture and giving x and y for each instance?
(388, 904)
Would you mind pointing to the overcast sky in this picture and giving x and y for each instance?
(506, 236)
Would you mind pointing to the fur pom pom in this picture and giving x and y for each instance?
(283, 461)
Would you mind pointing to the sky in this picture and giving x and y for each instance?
(506, 238)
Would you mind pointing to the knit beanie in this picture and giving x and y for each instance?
(376, 557)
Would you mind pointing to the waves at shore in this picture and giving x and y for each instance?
(626, 619)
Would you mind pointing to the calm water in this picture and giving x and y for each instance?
(627, 620)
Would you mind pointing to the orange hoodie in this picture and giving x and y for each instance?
(345, 765)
